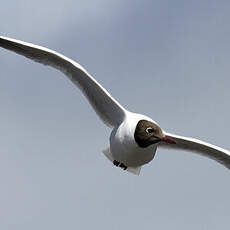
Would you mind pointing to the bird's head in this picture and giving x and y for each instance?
(148, 133)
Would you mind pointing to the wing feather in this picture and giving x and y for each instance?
(197, 146)
(108, 109)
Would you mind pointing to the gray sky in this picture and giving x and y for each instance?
(172, 54)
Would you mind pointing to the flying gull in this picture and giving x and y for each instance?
(135, 137)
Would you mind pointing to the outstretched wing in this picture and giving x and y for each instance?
(194, 145)
(108, 109)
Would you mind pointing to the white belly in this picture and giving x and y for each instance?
(134, 158)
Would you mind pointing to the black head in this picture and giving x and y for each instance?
(147, 133)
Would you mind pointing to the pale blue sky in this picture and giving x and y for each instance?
(166, 59)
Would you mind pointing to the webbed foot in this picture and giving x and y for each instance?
(116, 163)
(121, 165)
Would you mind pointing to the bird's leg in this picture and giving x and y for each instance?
(123, 166)
(116, 163)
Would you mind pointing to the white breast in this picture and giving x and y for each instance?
(123, 145)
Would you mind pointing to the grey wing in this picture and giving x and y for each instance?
(108, 109)
(197, 146)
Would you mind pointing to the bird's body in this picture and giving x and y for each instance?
(123, 146)
(134, 138)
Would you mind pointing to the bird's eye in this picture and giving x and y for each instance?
(149, 130)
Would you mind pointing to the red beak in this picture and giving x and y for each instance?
(168, 140)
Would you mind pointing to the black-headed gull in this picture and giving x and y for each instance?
(134, 138)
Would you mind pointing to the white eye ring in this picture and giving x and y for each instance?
(149, 130)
